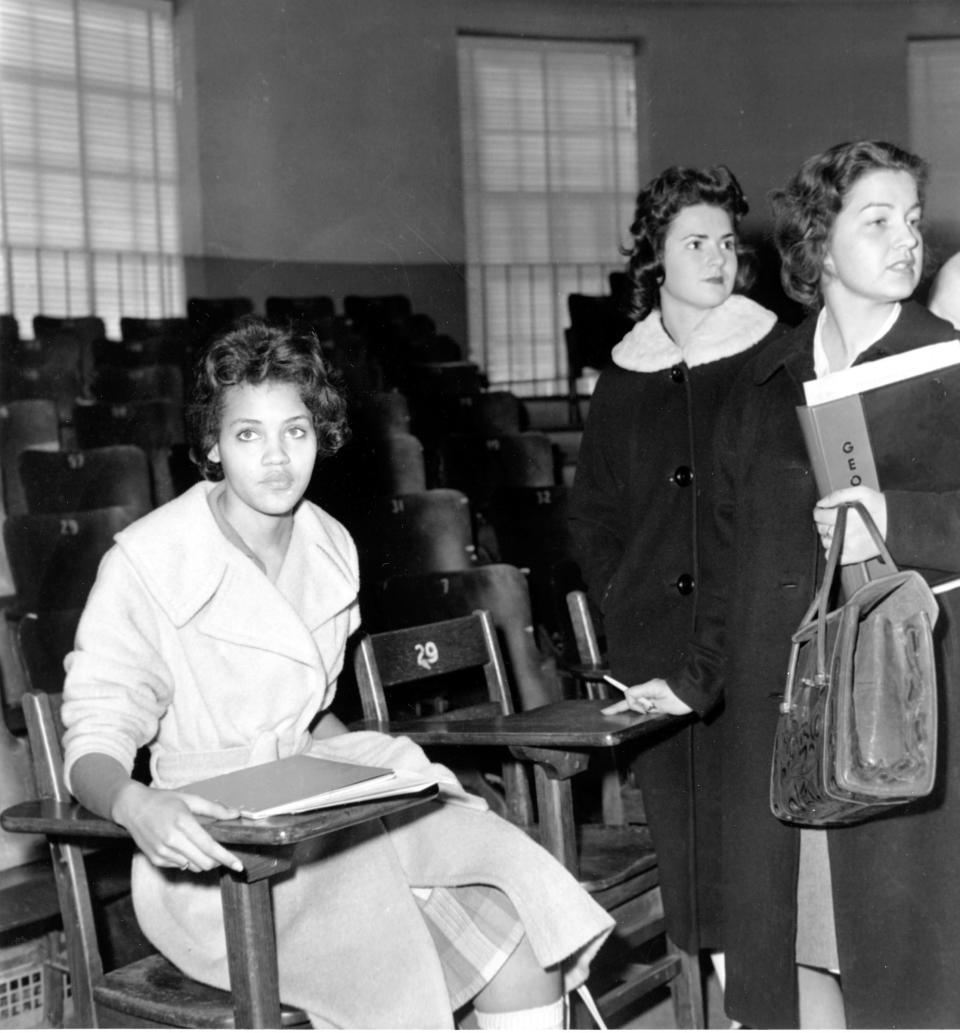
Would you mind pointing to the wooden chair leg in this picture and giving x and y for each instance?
(687, 990)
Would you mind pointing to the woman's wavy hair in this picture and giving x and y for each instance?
(257, 353)
(806, 208)
(657, 206)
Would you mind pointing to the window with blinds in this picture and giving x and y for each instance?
(550, 169)
(934, 91)
(89, 196)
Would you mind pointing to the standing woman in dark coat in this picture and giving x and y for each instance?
(858, 924)
(641, 487)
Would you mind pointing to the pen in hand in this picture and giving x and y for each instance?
(621, 705)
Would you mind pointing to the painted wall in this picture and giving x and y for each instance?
(321, 137)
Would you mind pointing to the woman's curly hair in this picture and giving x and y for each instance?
(257, 353)
(805, 209)
(657, 206)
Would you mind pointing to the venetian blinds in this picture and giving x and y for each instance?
(89, 197)
(550, 170)
(934, 90)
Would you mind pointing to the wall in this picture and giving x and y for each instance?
(321, 137)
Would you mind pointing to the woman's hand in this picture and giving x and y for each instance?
(163, 825)
(652, 697)
(858, 543)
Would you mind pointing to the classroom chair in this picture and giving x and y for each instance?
(597, 324)
(54, 556)
(498, 588)
(148, 991)
(113, 475)
(424, 531)
(126, 383)
(315, 312)
(24, 423)
(615, 863)
(211, 316)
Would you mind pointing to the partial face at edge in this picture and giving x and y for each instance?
(699, 258)
(267, 447)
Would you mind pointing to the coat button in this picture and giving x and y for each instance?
(683, 476)
(676, 374)
(685, 584)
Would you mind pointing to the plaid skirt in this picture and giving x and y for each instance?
(475, 929)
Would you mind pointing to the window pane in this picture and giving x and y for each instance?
(550, 177)
(89, 163)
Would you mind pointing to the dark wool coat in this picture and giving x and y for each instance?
(640, 488)
(895, 880)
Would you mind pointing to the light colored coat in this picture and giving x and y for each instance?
(186, 645)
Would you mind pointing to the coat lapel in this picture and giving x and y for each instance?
(200, 576)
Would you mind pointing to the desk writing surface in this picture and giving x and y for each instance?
(52, 817)
(572, 723)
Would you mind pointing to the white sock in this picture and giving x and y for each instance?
(720, 967)
(547, 1016)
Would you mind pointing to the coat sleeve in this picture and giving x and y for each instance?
(923, 529)
(118, 685)
(598, 504)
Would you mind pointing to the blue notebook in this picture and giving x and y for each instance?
(304, 783)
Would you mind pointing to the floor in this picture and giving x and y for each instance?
(660, 1013)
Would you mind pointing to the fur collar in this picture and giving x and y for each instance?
(727, 330)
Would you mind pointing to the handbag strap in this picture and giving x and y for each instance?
(820, 602)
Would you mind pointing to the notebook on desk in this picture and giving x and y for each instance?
(304, 783)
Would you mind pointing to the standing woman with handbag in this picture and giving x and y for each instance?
(857, 925)
(642, 485)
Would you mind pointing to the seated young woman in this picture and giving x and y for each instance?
(215, 633)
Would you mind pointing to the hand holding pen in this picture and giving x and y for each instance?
(654, 697)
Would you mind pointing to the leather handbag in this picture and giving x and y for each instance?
(857, 731)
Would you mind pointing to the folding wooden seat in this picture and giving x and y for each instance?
(54, 556)
(532, 532)
(493, 413)
(316, 312)
(616, 863)
(151, 424)
(164, 340)
(137, 383)
(377, 413)
(143, 989)
(211, 316)
(143, 328)
(416, 533)
(183, 471)
(60, 482)
(154, 425)
(597, 324)
(25, 423)
(500, 589)
(371, 313)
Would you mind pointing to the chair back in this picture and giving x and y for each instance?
(315, 312)
(60, 482)
(24, 423)
(211, 316)
(493, 413)
(389, 662)
(425, 531)
(54, 556)
(499, 589)
(398, 466)
(152, 424)
(128, 383)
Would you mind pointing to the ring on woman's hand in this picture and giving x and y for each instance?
(184, 866)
